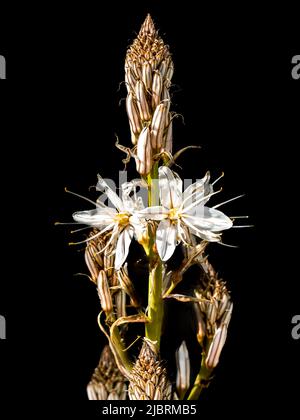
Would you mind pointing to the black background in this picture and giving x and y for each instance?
(61, 107)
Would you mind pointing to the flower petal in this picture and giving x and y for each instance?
(197, 191)
(154, 213)
(122, 248)
(96, 217)
(133, 199)
(207, 235)
(170, 188)
(209, 219)
(112, 196)
(166, 239)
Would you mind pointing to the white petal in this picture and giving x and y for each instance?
(122, 248)
(139, 225)
(197, 191)
(102, 186)
(166, 239)
(170, 188)
(154, 213)
(210, 219)
(203, 234)
(94, 217)
(133, 199)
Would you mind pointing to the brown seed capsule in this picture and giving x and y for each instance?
(157, 85)
(104, 292)
(141, 97)
(144, 152)
(158, 126)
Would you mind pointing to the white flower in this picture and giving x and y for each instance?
(120, 219)
(184, 210)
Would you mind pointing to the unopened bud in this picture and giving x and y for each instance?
(216, 347)
(144, 152)
(147, 75)
(183, 370)
(158, 126)
(157, 85)
(134, 118)
(201, 329)
(141, 97)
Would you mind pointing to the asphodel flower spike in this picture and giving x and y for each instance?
(134, 289)
(148, 74)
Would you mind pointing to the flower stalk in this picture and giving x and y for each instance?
(155, 299)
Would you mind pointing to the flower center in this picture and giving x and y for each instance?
(174, 214)
(122, 219)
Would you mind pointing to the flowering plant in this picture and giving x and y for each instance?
(172, 217)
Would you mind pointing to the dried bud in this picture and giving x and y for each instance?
(127, 285)
(104, 292)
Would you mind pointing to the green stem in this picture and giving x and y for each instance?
(155, 300)
(201, 381)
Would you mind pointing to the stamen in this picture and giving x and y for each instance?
(227, 245)
(94, 236)
(80, 229)
(68, 223)
(221, 176)
(228, 201)
(84, 198)
(201, 199)
(242, 226)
